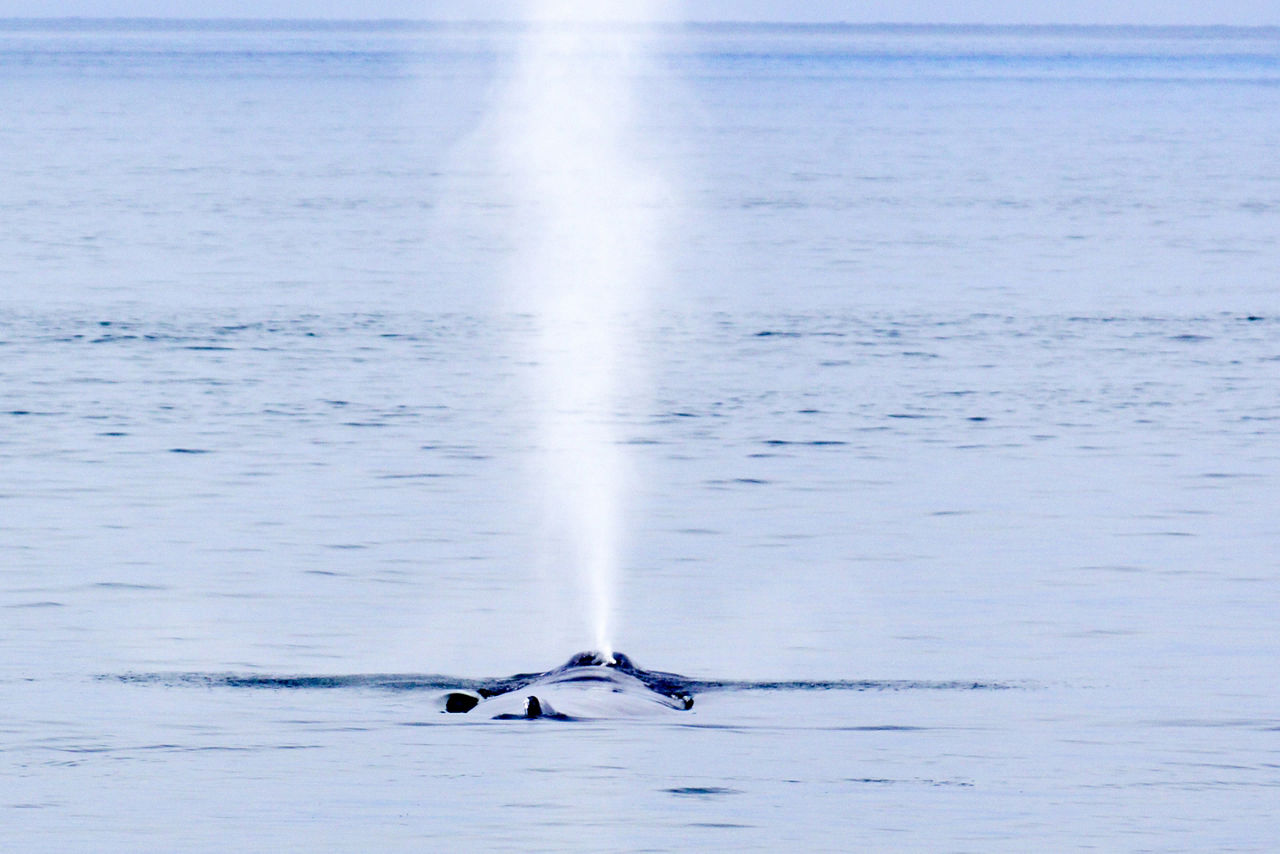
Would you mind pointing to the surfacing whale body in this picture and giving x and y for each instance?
(587, 686)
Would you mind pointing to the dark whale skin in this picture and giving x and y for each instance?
(588, 686)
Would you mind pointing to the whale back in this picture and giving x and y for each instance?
(588, 686)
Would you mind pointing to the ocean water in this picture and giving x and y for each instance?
(963, 389)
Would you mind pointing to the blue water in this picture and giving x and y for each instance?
(964, 375)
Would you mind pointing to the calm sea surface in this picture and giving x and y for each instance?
(966, 369)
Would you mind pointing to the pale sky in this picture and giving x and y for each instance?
(1230, 12)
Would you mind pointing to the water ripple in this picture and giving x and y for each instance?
(490, 686)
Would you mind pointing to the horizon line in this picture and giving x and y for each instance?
(401, 21)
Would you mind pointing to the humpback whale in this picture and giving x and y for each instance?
(588, 686)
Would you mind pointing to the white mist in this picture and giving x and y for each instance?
(586, 248)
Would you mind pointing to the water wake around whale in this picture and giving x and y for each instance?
(439, 682)
(663, 682)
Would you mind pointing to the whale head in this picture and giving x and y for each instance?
(589, 685)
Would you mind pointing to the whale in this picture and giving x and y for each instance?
(589, 686)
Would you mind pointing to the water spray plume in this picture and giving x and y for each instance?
(586, 248)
